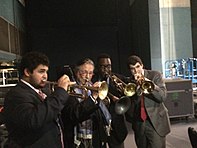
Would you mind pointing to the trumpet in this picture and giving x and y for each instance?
(146, 87)
(128, 89)
(123, 104)
(102, 89)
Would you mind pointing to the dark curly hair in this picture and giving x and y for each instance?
(133, 59)
(31, 60)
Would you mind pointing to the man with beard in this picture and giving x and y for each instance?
(32, 116)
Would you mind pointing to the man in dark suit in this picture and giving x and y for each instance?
(104, 73)
(148, 115)
(82, 118)
(74, 113)
(32, 117)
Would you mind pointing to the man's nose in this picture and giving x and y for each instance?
(45, 75)
(88, 76)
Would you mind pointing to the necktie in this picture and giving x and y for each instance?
(105, 112)
(142, 109)
(42, 95)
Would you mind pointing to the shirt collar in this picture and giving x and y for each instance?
(28, 84)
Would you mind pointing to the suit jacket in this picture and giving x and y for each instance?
(156, 110)
(30, 121)
(72, 114)
(119, 130)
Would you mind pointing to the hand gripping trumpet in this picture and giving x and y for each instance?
(145, 86)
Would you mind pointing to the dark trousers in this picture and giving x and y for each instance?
(111, 145)
(147, 137)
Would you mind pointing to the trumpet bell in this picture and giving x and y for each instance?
(122, 105)
(103, 90)
(130, 89)
(147, 87)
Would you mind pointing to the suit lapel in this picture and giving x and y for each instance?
(23, 85)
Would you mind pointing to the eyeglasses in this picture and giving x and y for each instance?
(105, 66)
(84, 72)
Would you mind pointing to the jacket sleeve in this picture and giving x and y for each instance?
(24, 108)
(76, 111)
(159, 93)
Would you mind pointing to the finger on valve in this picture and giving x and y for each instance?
(97, 84)
(65, 82)
(94, 92)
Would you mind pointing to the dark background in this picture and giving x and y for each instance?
(68, 30)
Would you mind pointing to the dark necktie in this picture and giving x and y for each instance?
(143, 114)
(42, 95)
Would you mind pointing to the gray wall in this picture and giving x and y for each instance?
(170, 34)
(12, 24)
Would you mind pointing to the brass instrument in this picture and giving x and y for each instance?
(123, 104)
(142, 86)
(102, 90)
(146, 87)
(128, 89)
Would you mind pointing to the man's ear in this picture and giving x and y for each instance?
(142, 66)
(26, 72)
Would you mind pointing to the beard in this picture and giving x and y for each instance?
(36, 84)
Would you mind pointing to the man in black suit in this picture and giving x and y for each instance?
(82, 118)
(148, 115)
(31, 116)
(104, 73)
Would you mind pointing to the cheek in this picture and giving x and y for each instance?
(90, 78)
(82, 78)
(102, 70)
(139, 70)
(133, 71)
(37, 80)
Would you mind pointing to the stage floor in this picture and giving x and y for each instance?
(178, 138)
